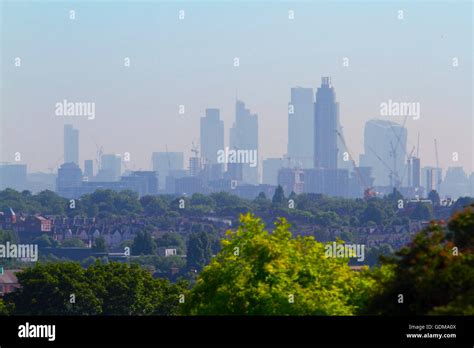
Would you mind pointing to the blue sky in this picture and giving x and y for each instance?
(190, 62)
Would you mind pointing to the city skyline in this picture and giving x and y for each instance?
(145, 97)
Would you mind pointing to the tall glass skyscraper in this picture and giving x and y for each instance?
(244, 136)
(301, 128)
(385, 145)
(165, 163)
(326, 120)
(71, 144)
(212, 136)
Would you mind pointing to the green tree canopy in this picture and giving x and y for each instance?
(278, 197)
(199, 251)
(143, 244)
(434, 275)
(101, 289)
(262, 273)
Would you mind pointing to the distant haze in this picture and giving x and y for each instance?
(190, 62)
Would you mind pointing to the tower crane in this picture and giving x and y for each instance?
(368, 191)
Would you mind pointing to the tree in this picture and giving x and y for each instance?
(172, 239)
(8, 236)
(73, 243)
(462, 227)
(46, 241)
(432, 276)
(46, 289)
(262, 273)
(433, 196)
(153, 205)
(278, 197)
(101, 289)
(199, 251)
(99, 245)
(395, 196)
(422, 211)
(143, 244)
(261, 202)
(461, 203)
(372, 213)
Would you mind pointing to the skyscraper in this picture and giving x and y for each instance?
(69, 180)
(301, 127)
(71, 144)
(13, 176)
(165, 163)
(110, 168)
(244, 136)
(385, 151)
(326, 120)
(212, 136)
(271, 166)
(88, 170)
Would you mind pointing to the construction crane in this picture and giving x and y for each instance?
(392, 174)
(368, 191)
(194, 150)
(409, 158)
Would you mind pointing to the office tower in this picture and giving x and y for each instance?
(13, 176)
(189, 185)
(170, 181)
(212, 136)
(142, 182)
(194, 166)
(110, 168)
(71, 144)
(385, 150)
(330, 182)
(244, 136)
(69, 180)
(326, 120)
(432, 178)
(234, 171)
(291, 180)
(301, 128)
(165, 162)
(271, 166)
(37, 182)
(455, 183)
(415, 172)
(88, 170)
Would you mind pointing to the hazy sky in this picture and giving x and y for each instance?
(190, 62)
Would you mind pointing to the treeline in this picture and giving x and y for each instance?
(313, 209)
(258, 272)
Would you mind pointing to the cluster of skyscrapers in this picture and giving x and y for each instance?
(317, 160)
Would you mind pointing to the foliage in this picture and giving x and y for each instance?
(172, 239)
(73, 243)
(100, 245)
(101, 289)
(432, 275)
(143, 244)
(259, 273)
(199, 251)
(278, 197)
